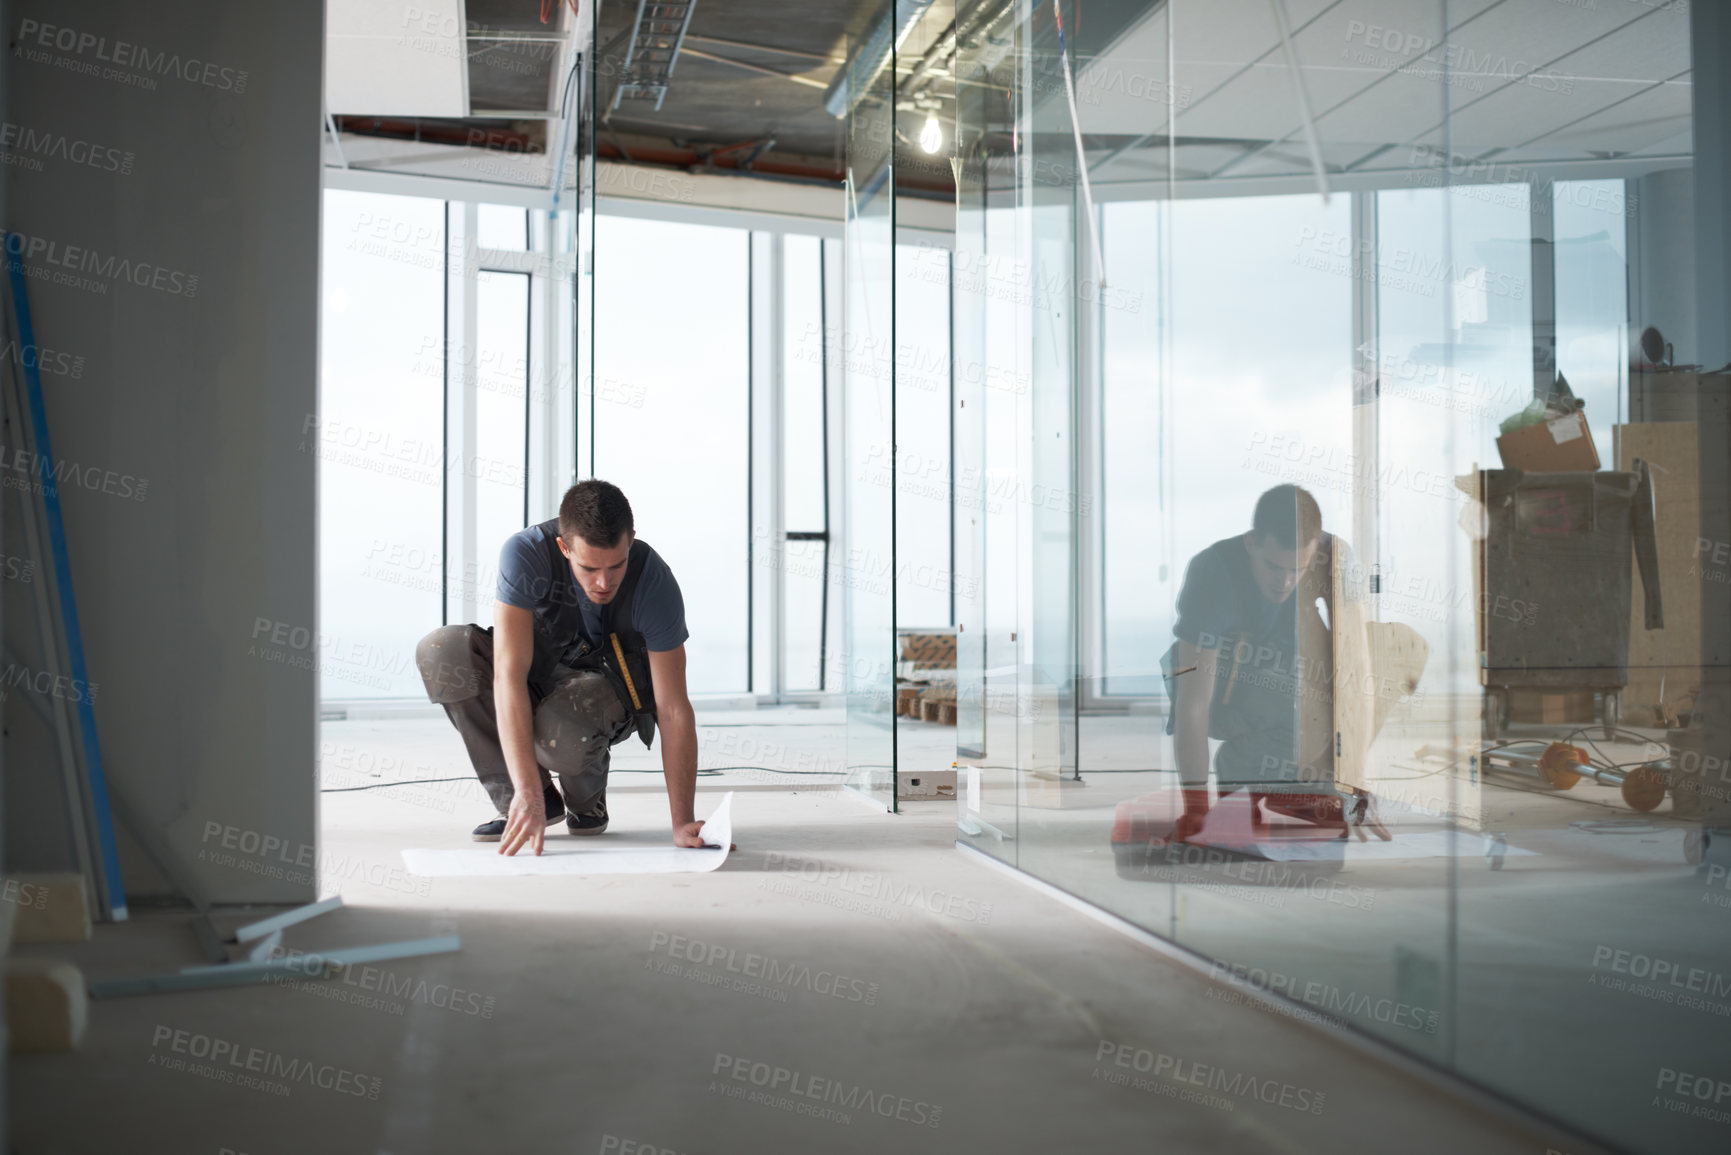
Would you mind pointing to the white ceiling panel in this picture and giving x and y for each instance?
(1651, 123)
(1606, 72)
(1218, 39)
(1485, 110)
(1519, 113)
(1293, 159)
(1113, 89)
(1349, 47)
(1202, 159)
(1256, 105)
(391, 18)
(1538, 32)
(393, 58)
(1375, 73)
(1653, 48)
(368, 76)
(1135, 102)
(1225, 32)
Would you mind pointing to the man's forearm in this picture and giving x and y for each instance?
(1190, 737)
(679, 762)
(517, 734)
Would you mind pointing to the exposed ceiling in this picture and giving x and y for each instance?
(1515, 85)
(783, 56)
(747, 91)
(1529, 85)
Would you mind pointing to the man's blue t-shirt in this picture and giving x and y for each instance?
(533, 575)
(1262, 669)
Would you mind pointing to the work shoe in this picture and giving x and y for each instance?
(593, 819)
(495, 830)
(1364, 812)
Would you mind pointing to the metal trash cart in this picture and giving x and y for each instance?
(1556, 547)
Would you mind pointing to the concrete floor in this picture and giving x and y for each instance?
(973, 1015)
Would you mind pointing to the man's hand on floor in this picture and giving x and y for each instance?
(688, 835)
(525, 824)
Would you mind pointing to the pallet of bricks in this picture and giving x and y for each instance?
(926, 677)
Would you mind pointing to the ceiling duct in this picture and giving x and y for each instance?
(873, 54)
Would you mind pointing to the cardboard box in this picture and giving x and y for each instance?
(1570, 707)
(1550, 446)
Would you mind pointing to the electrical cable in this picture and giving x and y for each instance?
(708, 770)
(1610, 765)
(1619, 826)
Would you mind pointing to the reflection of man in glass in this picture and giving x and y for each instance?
(1254, 666)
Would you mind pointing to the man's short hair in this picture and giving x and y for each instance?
(597, 512)
(1288, 516)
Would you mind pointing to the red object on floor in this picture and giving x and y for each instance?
(1238, 822)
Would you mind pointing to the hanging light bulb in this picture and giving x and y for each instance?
(932, 135)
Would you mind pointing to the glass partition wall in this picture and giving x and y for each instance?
(1340, 512)
(868, 424)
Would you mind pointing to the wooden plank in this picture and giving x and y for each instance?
(1398, 654)
(8, 923)
(46, 1007)
(51, 907)
(1355, 715)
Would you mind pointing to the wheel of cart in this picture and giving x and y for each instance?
(1610, 712)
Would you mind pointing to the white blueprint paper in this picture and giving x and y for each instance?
(582, 855)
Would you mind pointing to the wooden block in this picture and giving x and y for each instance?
(1570, 707)
(928, 711)
(46, 1005)
(928, 651)
(51, 907)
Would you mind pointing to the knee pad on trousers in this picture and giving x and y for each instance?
(446, 659)
(578, 718)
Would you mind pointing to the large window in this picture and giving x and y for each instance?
(378, 438)
(444, 422)
(805, 557)
(450, 418)
(1590, 249)
(1260, 349)
(924, 564)
(502, 410)
(669, 418)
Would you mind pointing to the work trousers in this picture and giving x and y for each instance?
(578, 716)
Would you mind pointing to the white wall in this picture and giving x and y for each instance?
(197, 392)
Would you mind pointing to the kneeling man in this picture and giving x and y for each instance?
(587, 648)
